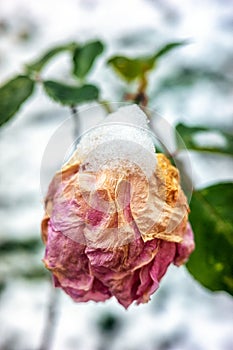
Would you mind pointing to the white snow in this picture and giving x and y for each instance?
(122, 141)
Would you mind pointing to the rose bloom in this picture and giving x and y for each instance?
(114, 231)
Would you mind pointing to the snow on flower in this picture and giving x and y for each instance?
(115, 215)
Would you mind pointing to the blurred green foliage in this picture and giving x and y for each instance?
(211, 217)
(136, 68)
(188, 134)
(108, 323)
(70, 95)
(25, 251)
(41, 62)
(13, 94)
(85, 56)
(15, 246)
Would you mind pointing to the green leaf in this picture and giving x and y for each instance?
(133, 68)
(129, 68)
(85, 56)
(12, 95)
(39, 64)
(209, 139)
(70, 95)
(164, 50)
(211, 217)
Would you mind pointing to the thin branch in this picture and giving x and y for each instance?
(76, 122)
(50, 321)
(106, 106)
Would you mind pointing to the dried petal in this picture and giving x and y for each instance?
(114, 231)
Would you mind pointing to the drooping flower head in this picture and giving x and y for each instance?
(115, 215)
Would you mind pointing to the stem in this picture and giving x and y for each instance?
(50, 321)
(143, 85)
(106, 105)
(140, 97)
(76, 121)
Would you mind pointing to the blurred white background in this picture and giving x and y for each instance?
(193, 85)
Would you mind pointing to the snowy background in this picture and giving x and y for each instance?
(193, 85)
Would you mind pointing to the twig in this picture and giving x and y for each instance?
(76, 121)
(106, 106)
(50, 321)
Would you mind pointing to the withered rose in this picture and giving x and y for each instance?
(94, 255)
